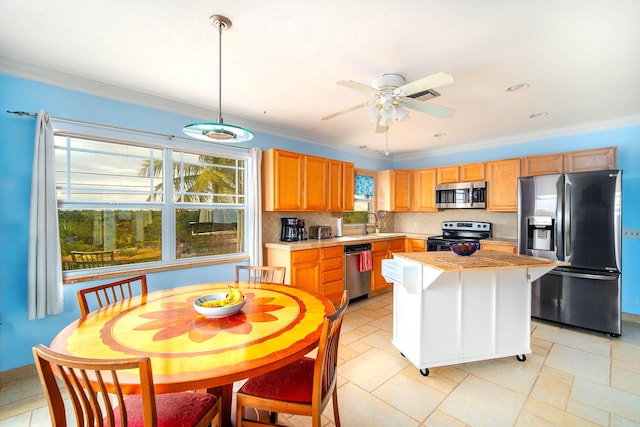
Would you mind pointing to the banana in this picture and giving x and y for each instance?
(233, 297)
(236, 296)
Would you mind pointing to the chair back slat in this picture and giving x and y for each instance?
(110, 293)
(260, 274)
(326, 367)
(93, 259)
(87, 388)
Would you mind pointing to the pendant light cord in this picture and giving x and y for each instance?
(220, 24)
(386, 152)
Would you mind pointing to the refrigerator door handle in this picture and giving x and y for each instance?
(567, 220)
(583, 275)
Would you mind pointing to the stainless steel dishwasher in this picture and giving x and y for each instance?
(357, 282)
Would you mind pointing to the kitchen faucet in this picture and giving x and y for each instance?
(366, 217)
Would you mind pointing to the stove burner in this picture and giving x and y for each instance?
(452, 231)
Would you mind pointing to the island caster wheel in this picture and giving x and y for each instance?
(521, 357)
(424, 372)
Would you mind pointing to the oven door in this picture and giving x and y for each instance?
(437, 245)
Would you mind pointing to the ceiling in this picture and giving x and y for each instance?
(282, 58)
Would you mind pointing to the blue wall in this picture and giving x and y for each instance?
(18, 335)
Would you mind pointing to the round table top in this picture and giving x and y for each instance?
(188, 351)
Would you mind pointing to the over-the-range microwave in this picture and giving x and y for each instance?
(466, 195)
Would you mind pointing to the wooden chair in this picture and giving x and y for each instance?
(93, 259)
(110, 293)
(303, 387)
(261, 274)
(97, 398)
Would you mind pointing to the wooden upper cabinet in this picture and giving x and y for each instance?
(448, 175)
(424, 190)
(473, 172)
(470, 172)
(590, 160)
(393, 190)
(542, 165)
(502, 185)
(348, 186)
(341, 186)
(282, 180)
(573, 161)
(336, 189)
(316, 177)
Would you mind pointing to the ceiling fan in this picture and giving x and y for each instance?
(392, 95)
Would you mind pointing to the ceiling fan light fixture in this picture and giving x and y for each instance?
(373, 113)
(401, 113)
(387, 111)
(218, 131)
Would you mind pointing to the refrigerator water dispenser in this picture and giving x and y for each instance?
(540, 233)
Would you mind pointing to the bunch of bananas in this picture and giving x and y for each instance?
(233, 297)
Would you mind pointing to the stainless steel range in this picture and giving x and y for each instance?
(453, 231)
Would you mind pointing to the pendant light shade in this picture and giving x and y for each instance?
(218, 131)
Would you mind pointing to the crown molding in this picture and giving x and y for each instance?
(519, 139)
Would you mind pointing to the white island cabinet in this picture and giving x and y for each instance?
(450, 309)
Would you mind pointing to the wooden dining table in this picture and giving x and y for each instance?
(277, 325)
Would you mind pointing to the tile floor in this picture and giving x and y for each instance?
(572, 378)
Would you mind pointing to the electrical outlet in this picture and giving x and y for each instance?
(631, 233)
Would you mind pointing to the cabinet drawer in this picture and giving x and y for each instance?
(333, 290)
(379, 246)
(304, 256)
(332, 264)
(332, 252)
(396, 245)
(331, 276)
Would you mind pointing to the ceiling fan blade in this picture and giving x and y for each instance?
(428, 108)
(380, 128)
(355, 107)
(357, 86)
(434, 80)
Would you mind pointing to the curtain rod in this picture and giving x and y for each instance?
(170, 137)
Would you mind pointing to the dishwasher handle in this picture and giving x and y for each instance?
(357, 248)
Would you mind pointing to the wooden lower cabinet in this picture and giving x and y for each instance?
(416, 245)
(305, 269)
(315, 270)
(332, 273)
(380, 251)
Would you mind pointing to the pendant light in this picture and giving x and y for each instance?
(218, 131)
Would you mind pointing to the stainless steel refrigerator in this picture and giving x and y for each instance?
(575, 217)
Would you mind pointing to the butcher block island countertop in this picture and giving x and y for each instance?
(480, 260)
(450, 309)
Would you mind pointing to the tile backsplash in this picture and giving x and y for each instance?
(504, 225)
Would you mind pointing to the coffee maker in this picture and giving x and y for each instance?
(302, 231)
(289, 231)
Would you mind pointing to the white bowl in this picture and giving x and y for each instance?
(217, 312)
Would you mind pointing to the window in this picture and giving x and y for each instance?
(122, 203)
(363, 200)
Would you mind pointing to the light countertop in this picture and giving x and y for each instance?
(355, 239)
(334, 241)
(481, 260)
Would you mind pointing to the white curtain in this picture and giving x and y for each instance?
(44, 277)
(254, 208)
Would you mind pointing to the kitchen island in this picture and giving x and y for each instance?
(450, 309)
